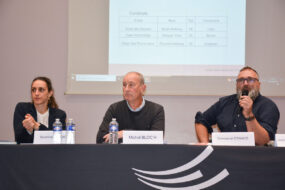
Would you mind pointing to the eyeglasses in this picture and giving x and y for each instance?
(249, 80)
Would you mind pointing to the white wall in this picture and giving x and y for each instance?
(33, 42)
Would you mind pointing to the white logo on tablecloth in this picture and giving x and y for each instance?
(220, 176)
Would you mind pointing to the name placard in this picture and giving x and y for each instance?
(46, 137)
(143, 137)
(233, 138)
(279, 140)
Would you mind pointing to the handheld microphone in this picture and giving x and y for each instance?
(243, 93)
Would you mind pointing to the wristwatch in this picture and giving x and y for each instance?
(250, 118)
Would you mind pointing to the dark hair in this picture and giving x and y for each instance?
(249, 68)
(51, 102)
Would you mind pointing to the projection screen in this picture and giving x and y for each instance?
(182, 47)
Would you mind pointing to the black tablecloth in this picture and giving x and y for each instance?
(113, 167)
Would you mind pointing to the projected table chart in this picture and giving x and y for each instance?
(140, 167)
(173, 31)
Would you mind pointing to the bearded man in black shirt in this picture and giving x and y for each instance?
(247, 110)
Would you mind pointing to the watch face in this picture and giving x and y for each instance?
(249, 118)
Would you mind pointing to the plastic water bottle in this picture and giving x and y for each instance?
(113, 131)
(57, 131)
(70, 132)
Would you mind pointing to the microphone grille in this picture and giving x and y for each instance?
(244, 93)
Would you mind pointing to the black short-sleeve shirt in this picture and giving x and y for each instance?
(227, 114)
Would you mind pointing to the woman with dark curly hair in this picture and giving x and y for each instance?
(38, 114)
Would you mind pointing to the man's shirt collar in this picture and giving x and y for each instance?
(139, 108)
